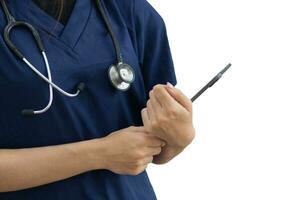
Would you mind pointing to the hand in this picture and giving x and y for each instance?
(129, 151)
(168, 115)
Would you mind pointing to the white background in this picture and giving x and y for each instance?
(248, 133)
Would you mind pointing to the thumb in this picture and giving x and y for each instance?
(179, 96)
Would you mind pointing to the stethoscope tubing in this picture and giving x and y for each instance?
(115, 41)
(118, 79)
(111, 32)
(12, 23)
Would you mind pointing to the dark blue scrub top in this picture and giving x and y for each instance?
(81, 51)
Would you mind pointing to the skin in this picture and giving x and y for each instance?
(166, 132)
(168, 115)
(133, 149)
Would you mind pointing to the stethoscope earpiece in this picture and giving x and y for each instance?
(81, 86)
(28, 112)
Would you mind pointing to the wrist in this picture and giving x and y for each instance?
(94, 153)
(168, 153)
(187, 138)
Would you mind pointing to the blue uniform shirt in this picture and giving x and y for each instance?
(81, 51)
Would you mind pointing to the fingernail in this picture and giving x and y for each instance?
(170, 85)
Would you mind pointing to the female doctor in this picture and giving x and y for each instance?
(84, 104)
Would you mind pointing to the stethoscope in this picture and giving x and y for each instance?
(120, 74)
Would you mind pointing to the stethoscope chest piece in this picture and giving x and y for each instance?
(121, 76)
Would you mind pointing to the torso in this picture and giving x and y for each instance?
(80, 51)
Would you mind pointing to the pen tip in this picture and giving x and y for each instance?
(226, 68)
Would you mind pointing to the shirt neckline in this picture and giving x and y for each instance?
(53, 9)
(69, 33)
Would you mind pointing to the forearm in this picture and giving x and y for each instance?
(26, 168)
(167, 154)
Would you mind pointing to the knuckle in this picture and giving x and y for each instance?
(175, 112)
(154, 124)
(157, 88)
(148, 103)
(172, 112)
(160, 88)
(161, 119)
(151, 93)
(143, 111)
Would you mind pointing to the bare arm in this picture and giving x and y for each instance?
(25, 168)
(126, 151)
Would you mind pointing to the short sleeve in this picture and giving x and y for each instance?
(153, 48)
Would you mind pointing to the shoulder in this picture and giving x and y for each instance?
(139, 12)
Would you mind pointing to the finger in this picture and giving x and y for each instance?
(153, 141)
(151, 111)
(145, 118)
(148, 159)
(179, 96)
(154, 102)
(163, 96)
(154, 151)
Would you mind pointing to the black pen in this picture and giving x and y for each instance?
(211, 83)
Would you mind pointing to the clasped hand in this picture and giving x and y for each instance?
(168, 115)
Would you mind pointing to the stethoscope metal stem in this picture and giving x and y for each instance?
(79, 87)
(32, 112)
